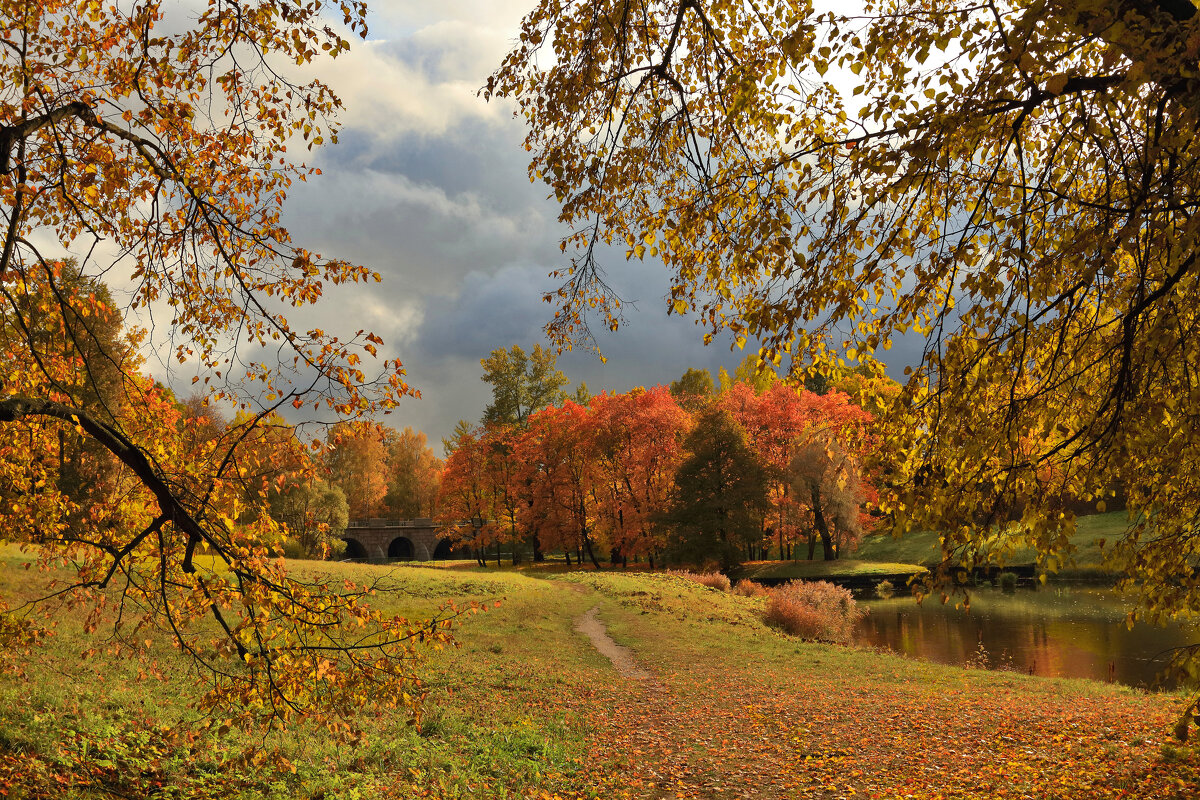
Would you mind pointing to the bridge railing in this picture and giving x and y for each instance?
(420, 522)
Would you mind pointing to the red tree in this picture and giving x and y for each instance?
(562, 476)
(636, 443)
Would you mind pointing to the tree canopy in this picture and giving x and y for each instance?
(521, 384)
(1012, 184)
(155, 144)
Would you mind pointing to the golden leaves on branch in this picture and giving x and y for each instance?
(165, 141)
(1015, 191)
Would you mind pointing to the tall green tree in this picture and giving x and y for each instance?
(316, 514)
(693, 389)
(720, 494)
(521, 384)
(756, 374)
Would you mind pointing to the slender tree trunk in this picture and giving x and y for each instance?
(567, 553)
(785, 493)
(587, 543)
(822, 525)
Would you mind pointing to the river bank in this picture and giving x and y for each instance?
(527, 707)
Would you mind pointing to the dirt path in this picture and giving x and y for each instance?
(621, 657)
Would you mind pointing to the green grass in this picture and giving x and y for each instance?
(525, 707)
(923, 547)
(810, 570)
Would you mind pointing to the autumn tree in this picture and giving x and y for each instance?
(636, 439)
(72, 321)
(1013, 185)
(274, 462)
(467, 501)
(355, 459)
(777, 421)
(561, 476)
(719, 498)
(830, 482)
(413, 472)
(155, 143)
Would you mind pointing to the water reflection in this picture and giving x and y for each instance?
(1064, 632)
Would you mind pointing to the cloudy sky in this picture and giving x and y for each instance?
(428, 186)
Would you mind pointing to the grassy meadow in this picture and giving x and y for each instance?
(526, 707)
(922, 547)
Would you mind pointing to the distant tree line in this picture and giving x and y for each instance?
(747, 468)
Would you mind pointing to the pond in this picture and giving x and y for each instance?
(1055, 632)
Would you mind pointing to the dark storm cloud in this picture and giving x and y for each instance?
(505, 308)
(481, 157)
(428, 186)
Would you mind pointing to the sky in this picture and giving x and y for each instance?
(428, 186)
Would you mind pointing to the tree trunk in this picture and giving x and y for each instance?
(822, 525)
(587, 543)
(538, 555)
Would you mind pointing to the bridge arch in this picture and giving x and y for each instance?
(401, 548)
(443, 550)
(354, 549)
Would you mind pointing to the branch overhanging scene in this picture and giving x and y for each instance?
(815, 390)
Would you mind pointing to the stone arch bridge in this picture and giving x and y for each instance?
(381, 540)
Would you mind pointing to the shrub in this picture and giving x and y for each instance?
(885, 590)
(1008, 581)
(713, 580)
(796, 618)
(293, 549)
(750, 589)
(814, 610)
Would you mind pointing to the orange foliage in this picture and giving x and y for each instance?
(165, 141)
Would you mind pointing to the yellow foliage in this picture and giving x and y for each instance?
(1017, 189)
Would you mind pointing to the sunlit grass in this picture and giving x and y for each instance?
(816, 570)
(526, 706)
(922, 547)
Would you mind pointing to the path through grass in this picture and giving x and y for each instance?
(526, 707)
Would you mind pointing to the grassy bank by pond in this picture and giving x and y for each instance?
(845, 571)
(527, 708)
(922, 547)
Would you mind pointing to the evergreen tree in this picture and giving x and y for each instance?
(720, 493)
